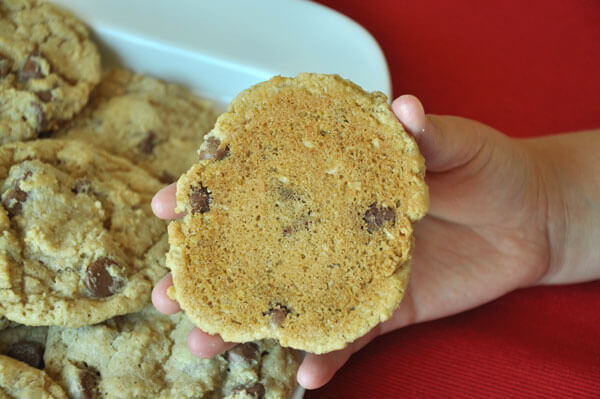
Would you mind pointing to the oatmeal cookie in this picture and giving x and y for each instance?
(79, 241)
(156, 125)
(48, 67)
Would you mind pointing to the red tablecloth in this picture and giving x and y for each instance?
(527, 68)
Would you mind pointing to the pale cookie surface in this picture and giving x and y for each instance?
(156, 125)
(79, 242)
(48, 67)
(298, 225)
(20, 381)
(145, 355)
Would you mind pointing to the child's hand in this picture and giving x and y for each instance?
(496, 223)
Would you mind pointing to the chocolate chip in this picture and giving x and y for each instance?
(148, 143)
(13, 201)
(287, 230)
(28, 352)
(257, 390)
(211, 150)
(278, 316)
(376, 216)
(200, 199)
(211, 147)
(4, 66)
(244, 352)
(14, 198)
(99, 280)
(31, 69)
(44, 95)
(222, 153)
(82, 186)
(88, 380)
(44, 134)
(278, 313)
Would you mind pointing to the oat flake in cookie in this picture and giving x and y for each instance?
(20, 381)
(145, 355)
(158, 126)
(79, 242)
(299, 219)
(48, 67)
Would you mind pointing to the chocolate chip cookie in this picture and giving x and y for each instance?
(145, 355)
(48, 67)
(299, 219)
(156, 125)
(20, 381)
(79, 242)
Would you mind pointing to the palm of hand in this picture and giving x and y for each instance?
(485, 233)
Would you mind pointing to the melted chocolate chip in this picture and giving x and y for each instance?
(200, 199)
(257, 390)
(31, 353)
(147, 145)
(211, 147)
(44, 134)
(99, 280)
(88, 379)
(4, 66)
(13, 201)
(278, 316)
(244, 352)
(82, 187)
(222, 153)
(31, 69)
(376, 216)
(44, 95)
(211, 150)
(278, 313)
(14, 198)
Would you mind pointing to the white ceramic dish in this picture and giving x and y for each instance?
(219, 48)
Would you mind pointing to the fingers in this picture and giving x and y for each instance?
(317, 370)
(446, 142)
(161, 301)
(410, 112)
(164, 202)
(205, 345)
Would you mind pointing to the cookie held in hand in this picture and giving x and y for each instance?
(298, 216)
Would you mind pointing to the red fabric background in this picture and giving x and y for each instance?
(527, 68)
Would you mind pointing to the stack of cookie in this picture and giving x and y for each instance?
(83, 152)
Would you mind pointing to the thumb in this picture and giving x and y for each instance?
(446, 142)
